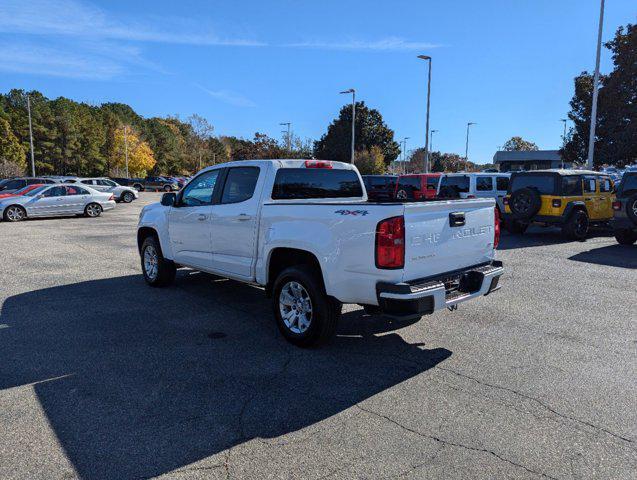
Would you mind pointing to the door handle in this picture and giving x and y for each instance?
(202, 217)
(244, 216)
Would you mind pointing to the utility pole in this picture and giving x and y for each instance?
(353, 92)
(564, 120)
(31, 137)
(466, 148)
(591, 138)
(427, 57)
(126, 148)
(287, 135)
(405, 154)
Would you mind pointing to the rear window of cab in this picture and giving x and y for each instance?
(303, 183)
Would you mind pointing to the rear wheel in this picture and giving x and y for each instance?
(167, 188)
(305, 314)
(139, 187)
(625, 237)
(15, 213)
(128, 197)
(158, 271)
(576, 226)
(93, 210)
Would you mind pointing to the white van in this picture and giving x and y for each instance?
(475, 185)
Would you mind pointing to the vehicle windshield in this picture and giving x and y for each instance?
(36, 191)
(302, 183)
(459, 183)
(545, 184)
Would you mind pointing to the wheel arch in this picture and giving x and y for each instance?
(280, 258)
(574, 206)
(143, 233)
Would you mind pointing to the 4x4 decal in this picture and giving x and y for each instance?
(352, 212)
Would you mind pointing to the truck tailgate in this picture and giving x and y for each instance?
(448, 235)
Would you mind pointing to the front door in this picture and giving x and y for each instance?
(234, 222)
(49, 202)
(591, 198)
(189, 222)
(605, 198)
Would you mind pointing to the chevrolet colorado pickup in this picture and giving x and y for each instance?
(306, 232)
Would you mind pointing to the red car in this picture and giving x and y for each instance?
(417, 186)
(22, 191)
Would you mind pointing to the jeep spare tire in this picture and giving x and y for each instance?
(525, 203)
(631, 208)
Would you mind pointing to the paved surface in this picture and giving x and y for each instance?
(102, 377)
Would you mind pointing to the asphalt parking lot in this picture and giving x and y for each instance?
(102, 377)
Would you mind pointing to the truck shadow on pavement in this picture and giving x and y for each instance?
(136, 381)
(610, 255)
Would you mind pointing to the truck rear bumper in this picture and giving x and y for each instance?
(425, 296)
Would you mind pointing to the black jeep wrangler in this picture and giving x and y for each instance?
(625, 210)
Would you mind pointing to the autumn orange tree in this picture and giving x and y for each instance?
(140, 156)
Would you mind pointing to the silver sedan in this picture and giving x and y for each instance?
(55, 201)
(121, 193)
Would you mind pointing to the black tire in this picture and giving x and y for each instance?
(138, 186)
(516, 227)
(325, 310)
(576, 226)
(14, 213)
(625, 236)
(165, 269)
(168, 188)
(631, 208)
(93, 210)
(127, 197)
(525, 203)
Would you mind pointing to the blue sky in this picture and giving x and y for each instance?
(249, 65)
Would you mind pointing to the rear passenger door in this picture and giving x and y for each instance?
(235, 221)
(591, 197)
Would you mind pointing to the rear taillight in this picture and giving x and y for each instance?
(390, 243)
(471, 196)
(111, 198)
(496, 228)
(505, 200)
(557, 203)
(318, 164)
(617, 205)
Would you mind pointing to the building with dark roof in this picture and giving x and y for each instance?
(529, 160)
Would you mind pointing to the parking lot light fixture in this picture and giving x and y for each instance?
(426, 159)
(353, 92)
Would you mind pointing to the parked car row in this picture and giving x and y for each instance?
(573, 200)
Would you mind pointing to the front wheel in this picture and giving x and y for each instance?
(128, 197)
(625, 237)
(305, 314)
(93, 210)
(15, 213)
(168, 188)
(576, 227)
(158, 271)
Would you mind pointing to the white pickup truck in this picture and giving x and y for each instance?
(305, 231)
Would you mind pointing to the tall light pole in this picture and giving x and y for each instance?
(426, 57)
(283, 124)
(126, 148)
(353, 92)
(31, 137)
(563, 120)
(591, 138)
(431, 143)
(405, 154)
(466, 147)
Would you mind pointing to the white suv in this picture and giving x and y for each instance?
(475, 185)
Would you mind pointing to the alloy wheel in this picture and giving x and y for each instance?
(15, 214)
(295, 306)
(151, 260)
(93, 210)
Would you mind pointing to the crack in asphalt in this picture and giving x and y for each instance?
(537, 401)
(454, 444)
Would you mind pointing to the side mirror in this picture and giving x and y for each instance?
(168, 199)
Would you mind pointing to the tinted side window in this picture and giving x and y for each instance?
(240, 184)
(501, 184)
(76, 191)
(484, 184)
(300, 183)
(459, 184)
(589, 185)
(199, 191)
(432, 182)
(571, 186)
(55, 192)
(14, 184)
(629, 183)
(604, 184)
